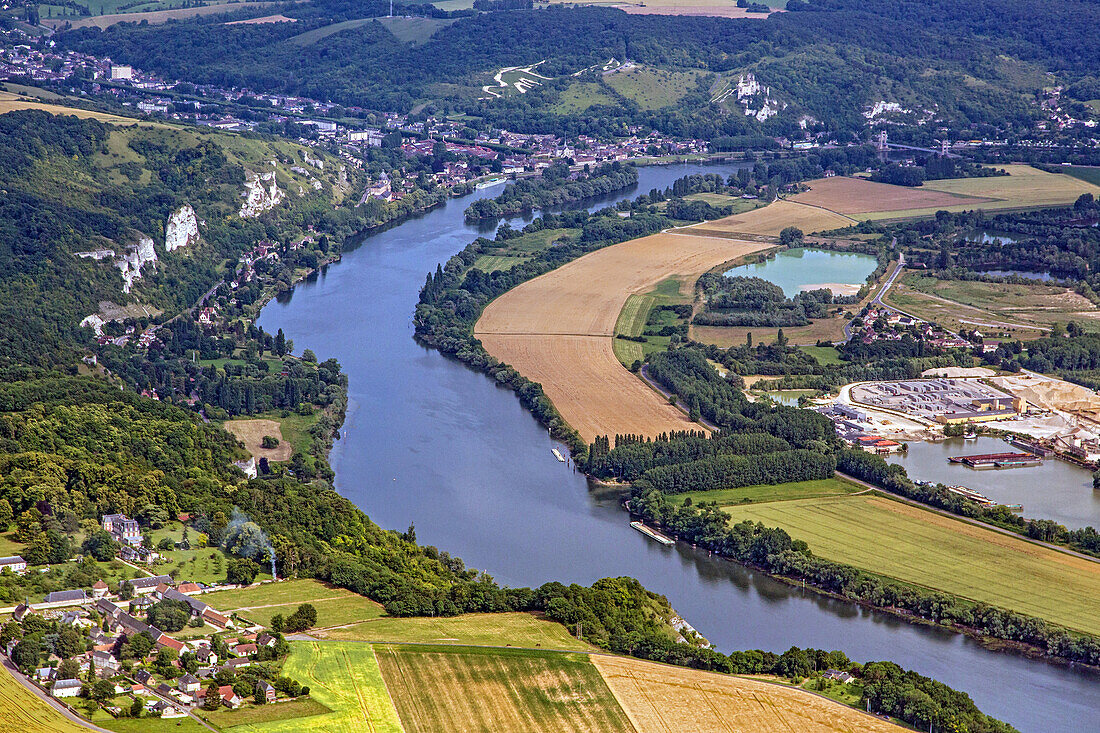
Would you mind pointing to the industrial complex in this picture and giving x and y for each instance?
(945, 401)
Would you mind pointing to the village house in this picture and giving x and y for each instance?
(229, 698)
(244, 650)
(837, 676)
(265, 690)
(66, 688)
(143, 586)
(99, 589)
(189, 683)
(13, 563)
(66, 598)
(105, 663)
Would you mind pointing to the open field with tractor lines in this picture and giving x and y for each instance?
(251, 432)
(662, 699)
(860, 196)
(557, 329)
(472, 690)
(924, 548)
(346, 679)
(335, 606)
(11, 102)
(472, 629)
(772, 219)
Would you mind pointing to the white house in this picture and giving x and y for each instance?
(66, 688)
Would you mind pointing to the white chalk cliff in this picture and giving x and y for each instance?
(133, 259)
(182, 229)
(261, 194)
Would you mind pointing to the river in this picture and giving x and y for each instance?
(429, 441)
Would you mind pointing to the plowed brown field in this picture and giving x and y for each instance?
(663, 699)
(858, 196)
(557, 329)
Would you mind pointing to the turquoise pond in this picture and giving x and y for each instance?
(796, 269)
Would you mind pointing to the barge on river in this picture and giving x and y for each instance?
(652, 533)
(998, 460)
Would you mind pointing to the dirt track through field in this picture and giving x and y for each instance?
(558, 328)
(662, 699)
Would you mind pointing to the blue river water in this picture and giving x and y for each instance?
(430, 442)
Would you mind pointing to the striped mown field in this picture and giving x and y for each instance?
(925, 548)
(467, 690)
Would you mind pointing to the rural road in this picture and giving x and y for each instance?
(877, 300)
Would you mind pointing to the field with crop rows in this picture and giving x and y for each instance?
(928, 549)
(663, 699)
(462, 690)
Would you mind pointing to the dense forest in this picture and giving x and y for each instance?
(77, 185)
(751, 301)
(829, 64)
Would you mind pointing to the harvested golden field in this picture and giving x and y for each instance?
(462, 690)
(662, 699)
(155, 17)
(252, 432)
(858, 196)
(595, 393)
(557, 329)
(828, 329)
(772, 219)
(1024, 188)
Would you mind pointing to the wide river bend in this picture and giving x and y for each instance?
(429, 441)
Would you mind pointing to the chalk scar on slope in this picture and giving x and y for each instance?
(558, 329)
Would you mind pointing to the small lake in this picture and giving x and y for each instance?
(990, 236)
(1040, 276)
(801, 268)
(1054, 490)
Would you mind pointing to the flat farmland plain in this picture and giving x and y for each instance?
(557, 329)
(928, 549)
(859, 196)
(662, 699)
(772, 219)
(464, 690)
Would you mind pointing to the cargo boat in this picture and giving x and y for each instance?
(558, 455)
(652, 533)
(998, 460)
(490, 182)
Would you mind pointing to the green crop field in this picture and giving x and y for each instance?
(346, 680)
(334, 605)
(921, 547)
(24, 712)
(461, 689)
(632, 321)
(777, 492)
(475, 629)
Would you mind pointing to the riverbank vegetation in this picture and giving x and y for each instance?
(556, 186)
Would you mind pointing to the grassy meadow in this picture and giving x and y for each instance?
(473, 629)
(767, 493)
